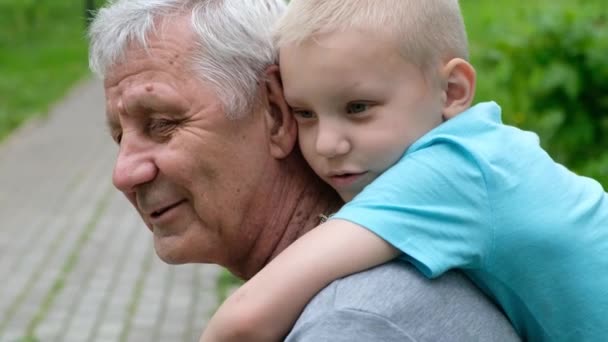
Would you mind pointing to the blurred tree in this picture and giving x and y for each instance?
(89, 9)
(557, 80)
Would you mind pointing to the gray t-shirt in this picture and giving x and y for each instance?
(394, 302)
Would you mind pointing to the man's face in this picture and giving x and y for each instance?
(359, 105)
(190, 172)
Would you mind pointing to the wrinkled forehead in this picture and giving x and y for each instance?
(169, 44)
(156, 76)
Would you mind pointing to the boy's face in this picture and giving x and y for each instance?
(359, 105)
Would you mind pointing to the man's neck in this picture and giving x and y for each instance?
(292, 207)
(314, 201)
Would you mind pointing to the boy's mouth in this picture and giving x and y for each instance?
(345, 179)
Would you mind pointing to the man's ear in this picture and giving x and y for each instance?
(281, 125)
(458, 87)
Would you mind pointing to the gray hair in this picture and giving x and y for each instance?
(234, 41)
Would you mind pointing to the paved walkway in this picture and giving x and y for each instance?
(76, 263)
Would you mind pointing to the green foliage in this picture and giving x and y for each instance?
(226, 283)
(555, 82)
(43, 51)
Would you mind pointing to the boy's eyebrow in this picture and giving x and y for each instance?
(290, 99)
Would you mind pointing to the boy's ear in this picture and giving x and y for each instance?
(281, 125)
(458, 87)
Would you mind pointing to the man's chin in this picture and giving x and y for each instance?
(169, 250)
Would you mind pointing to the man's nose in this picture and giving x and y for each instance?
(331, 141)
(134, 164)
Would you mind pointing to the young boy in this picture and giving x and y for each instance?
(381, 91)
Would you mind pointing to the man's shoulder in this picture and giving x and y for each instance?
(398, 300)
(384, 289)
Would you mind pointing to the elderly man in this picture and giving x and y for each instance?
(207, 156)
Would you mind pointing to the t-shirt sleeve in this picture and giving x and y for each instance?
(432, 205)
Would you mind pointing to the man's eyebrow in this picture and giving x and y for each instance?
(153, 96)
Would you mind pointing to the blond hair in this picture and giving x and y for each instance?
(426, 31)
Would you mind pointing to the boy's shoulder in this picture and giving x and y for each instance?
(394, 301)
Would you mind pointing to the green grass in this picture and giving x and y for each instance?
(43, 52)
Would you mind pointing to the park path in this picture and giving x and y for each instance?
(76, 262)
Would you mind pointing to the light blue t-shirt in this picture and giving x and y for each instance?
(484, 197)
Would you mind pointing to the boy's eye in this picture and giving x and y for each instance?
(303, 114)
(357, 107)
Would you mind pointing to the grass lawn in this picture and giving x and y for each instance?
(43, 52)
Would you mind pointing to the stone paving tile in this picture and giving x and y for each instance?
(76, 263)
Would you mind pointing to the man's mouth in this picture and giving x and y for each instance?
(161, 211)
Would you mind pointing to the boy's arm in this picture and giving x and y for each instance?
(266, 307)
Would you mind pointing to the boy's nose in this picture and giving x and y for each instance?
(332, 143)
(134, 164)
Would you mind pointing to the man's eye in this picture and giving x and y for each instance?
(161, 126)
(357, 107)
(303, 114)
